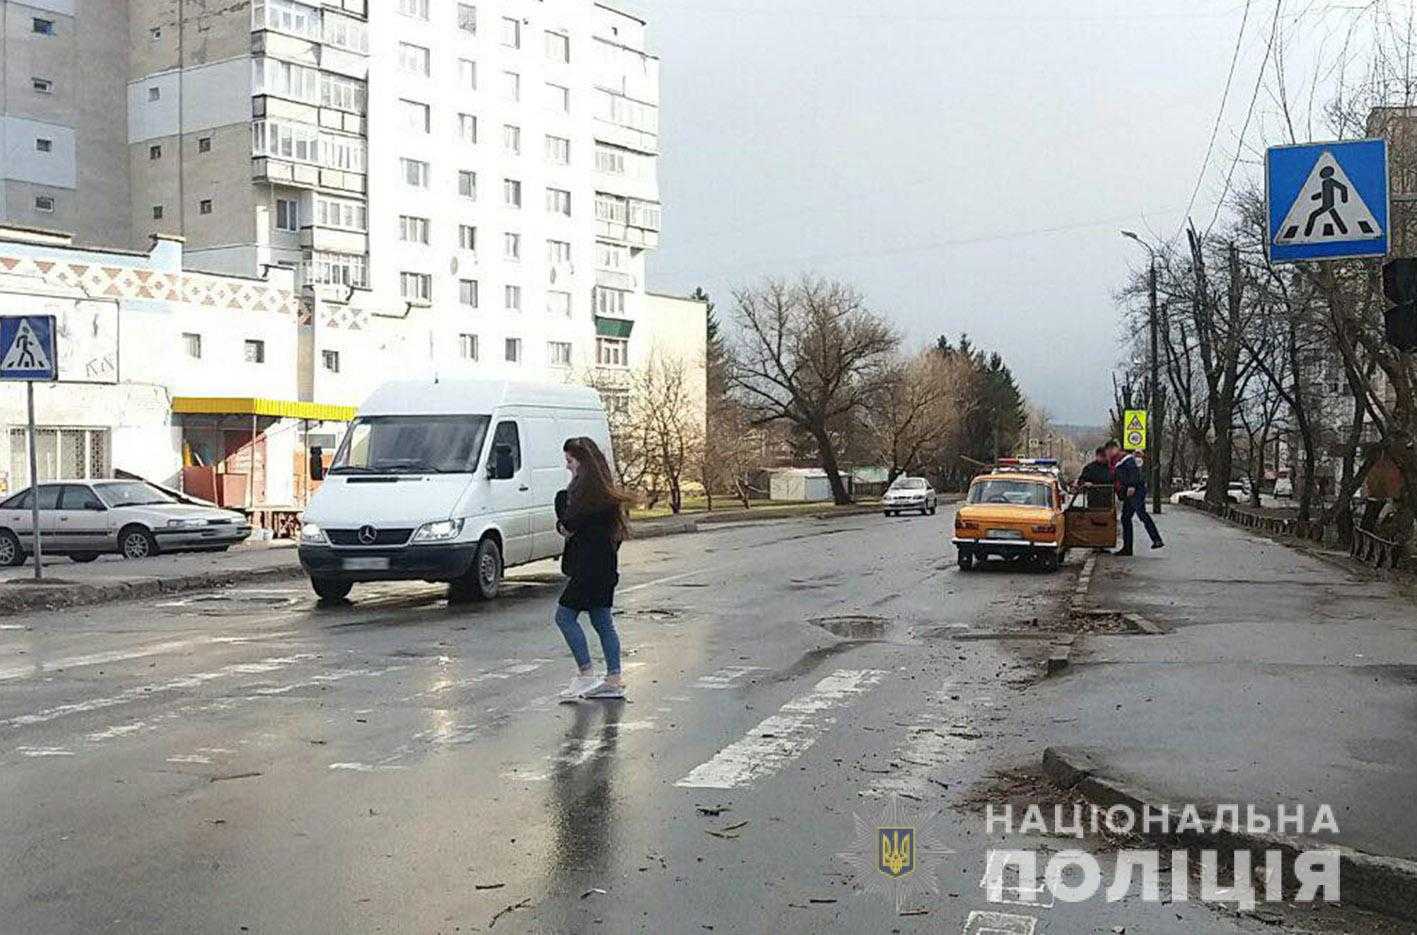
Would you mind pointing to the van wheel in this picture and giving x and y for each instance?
(331, 589)
(483, 579)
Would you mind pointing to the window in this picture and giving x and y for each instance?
(254, 352)
(513, 350)
(467, 184)
(341, 93)
(154, 94)
(154, 152)
(558, 201)
(415, 172)
(157, 212)
(204, 144)
(512, 246)
(608, 302)
(558, 353)
(345, 215)
(611, 256)
(511, 86)
(415, 116)
(467, 292)
(74, 454)
(44, 203)
(467, 346)
(414, 60)
(338, 269)
(507, 436)
(609, 160)
(512, 298)
(611, 210)
(284, 79)
(558, 252)
(512, 193)
(43, 145)
(42, 85)
(416, 287)
(558, 47)
(192, 344)
(346, 33)
(467, 74)
(511, 32)
(467, 237)
(287, 214)
(42, 27)
(418, 9)
(330, 360)
(512, 139)
(558, 304)
(558, 98)
(413, 229)
(204, 206)
(612, 352)
(286, 16)
(467, 128)
(467, 18)
(558, 150)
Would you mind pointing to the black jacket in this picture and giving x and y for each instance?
(590, 557)
(1096, 472)
(1130, 474)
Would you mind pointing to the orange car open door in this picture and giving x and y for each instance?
(1091, 518)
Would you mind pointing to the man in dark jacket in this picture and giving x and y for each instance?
(1098, 471)
(1132, 479)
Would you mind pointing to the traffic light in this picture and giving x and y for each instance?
(1400, 288)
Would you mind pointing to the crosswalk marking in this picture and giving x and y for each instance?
(781, 738)
(725, 677)
(40, 667)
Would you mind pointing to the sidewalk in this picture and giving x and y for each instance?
(1287, 680)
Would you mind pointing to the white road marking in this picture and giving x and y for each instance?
(190, 758)
(365, 767)
(39, 667)
(725, 677)
(657, 582)
(927, 747)
(44, 751)
(999, 923)
(269, 664)
(781, 738)
(508, 668)
(577, 751)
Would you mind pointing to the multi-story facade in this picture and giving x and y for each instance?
(461, 187)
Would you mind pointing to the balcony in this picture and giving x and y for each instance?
(333, 240)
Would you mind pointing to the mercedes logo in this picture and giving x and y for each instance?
(367, 534)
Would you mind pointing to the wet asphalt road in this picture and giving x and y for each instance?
(250, 762)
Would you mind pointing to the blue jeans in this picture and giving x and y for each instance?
(1135, 505)
(603, 620)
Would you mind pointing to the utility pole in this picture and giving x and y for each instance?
(1154, 382)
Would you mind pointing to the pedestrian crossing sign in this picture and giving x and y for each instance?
(1327, 200)
(1134, 430)
(29, 352)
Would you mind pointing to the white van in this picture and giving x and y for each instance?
(453, 481)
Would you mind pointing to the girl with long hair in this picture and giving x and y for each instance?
(591, 514)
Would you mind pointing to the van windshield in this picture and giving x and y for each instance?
(443, 444)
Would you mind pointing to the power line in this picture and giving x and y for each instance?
(1219, 115)
(1244, 130)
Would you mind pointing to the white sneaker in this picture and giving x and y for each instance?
(573, 692)
(603, 690)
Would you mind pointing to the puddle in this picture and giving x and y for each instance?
(233, 603)
(652, 613)
(853, 626)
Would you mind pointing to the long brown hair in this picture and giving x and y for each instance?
(594, 487)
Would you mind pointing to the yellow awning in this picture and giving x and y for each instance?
(247, 406)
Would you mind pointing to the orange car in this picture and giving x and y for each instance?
(1019, 512)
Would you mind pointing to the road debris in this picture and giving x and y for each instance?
(508, 910)
(228, 776)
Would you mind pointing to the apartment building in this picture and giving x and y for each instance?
(461, 188)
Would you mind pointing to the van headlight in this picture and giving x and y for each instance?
(441, 531)
(312, 534)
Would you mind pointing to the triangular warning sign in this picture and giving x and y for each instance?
(1328, 209)
(1134, 423)
(26, 351)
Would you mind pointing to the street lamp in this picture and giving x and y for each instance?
(1155, 427)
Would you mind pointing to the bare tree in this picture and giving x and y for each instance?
(916, 410)
(810, 354)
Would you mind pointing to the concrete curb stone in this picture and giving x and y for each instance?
(1387, 885)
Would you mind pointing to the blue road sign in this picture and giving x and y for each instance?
(1327, 201)
(27, 349)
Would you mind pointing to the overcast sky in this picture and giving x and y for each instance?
(967, 163)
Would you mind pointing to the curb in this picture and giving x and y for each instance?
(1081, 605)
(1385, 885)
(23, 598)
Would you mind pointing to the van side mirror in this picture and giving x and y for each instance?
(317, 463)
(503, 466)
